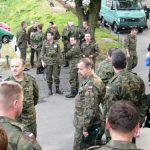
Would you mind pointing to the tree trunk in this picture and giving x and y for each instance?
(91, 16)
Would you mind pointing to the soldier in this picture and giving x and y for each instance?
(123, 124)
(105, 70)
(21, 40)
(50, 57)
(32, 30)
(125, 85)
(87, 114)
(73, 55)
(87, 28)
(11, 103)
(130, 49)
(55, 32)
(89, 48)
(37, 41)
(65, 42)
(49, 29)
(31, 94)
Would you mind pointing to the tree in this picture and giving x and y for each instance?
(88, 10)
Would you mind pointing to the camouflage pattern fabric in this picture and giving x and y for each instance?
(87, 112)
(105, 70)
(126, 86)
(51, 55)
(21, 40)
(31, 96)
(18, 137)
(130, 44)
(118, 145)
(90, 49)
(73, 55)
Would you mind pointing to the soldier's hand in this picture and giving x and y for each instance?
(85, 133)
(91, 56)
(83, 55)
(43, 63)
(128, 55)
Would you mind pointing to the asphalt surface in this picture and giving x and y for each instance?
(55, 113)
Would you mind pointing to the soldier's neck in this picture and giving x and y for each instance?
(20, 77)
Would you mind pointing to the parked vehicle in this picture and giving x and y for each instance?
(122, 14)
(5, 26)
(5, 35)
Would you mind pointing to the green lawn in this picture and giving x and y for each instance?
(15, 11)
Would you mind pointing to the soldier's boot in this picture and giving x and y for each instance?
(38, 71)
(58, 91)
(72, 94)
(50, 90)
(66, 64)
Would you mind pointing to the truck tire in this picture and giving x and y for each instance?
(5, 39)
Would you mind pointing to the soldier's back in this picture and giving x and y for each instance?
(18, 137)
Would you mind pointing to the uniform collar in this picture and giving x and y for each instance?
(121, 144)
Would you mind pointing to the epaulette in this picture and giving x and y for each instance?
(113, 78)
(21, 127)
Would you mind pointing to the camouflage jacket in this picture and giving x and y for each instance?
(56, 35)
(65, 35)
(105, 71)
(18, 137)
(31, 96)
(118, 145)
(51, 53)
(21, 38)
(31, 31)
(89, 49)
(130, 43)
(73, 53)
(126, 86)
(87, 111)
(37, 39)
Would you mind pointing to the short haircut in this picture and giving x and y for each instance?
(51, 22)
(111, 50)
(40, 26)
(20, 59)
(123, 116)
(87, 62)
(119, 60)
(3, 139)
(9, 91)
(73, 37)
(23, 23)
(52, 34)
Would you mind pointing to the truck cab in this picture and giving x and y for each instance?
(123, 14)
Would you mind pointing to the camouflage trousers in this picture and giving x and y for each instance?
(74, 82)
(23, 53)
(132, 61)
(53, 71)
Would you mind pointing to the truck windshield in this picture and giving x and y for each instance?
(128, 5)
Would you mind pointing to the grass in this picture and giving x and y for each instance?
(13, 12)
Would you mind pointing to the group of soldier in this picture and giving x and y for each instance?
(96, 89)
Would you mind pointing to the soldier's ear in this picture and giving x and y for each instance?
(107, 124)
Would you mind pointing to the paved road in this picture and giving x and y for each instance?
(55, 113)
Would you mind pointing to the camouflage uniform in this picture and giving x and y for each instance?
(18, 137)
(37, 41)
(90, 49)
(73, 55)
(65, 41)
(118, 145)
(130, 44)
(105, 71)
(87, 112)
(56, 35)
(21, 39)
(31, 96)
(51, 54)
(126, 86)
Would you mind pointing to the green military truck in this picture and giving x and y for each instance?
(122, 14)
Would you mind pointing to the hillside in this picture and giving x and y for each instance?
(15, 11)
